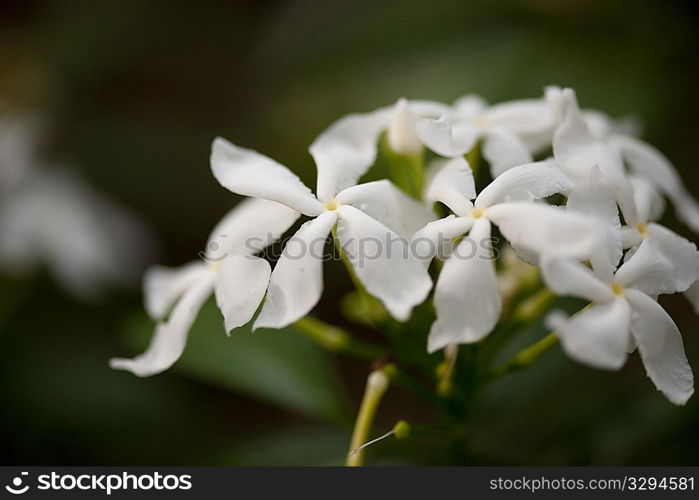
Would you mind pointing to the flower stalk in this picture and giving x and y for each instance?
(335, 339)
(376, 386)
(445, 370)
(524, 358)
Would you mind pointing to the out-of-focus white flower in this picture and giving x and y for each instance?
(403, 136)
(50, 216)
(623, 314)
(87, 241)
(375, 212)
(510, 131)
(577, 152)
(234, 274)
(350, 144)
(644, 160)
(19, 148)
(466, 297)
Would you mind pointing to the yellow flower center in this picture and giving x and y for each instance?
(617, 289)
(215, 266)
(481, 122)
(331, 205)
(642, 229)
(477, 213)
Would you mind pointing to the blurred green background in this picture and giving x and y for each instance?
(136, 90)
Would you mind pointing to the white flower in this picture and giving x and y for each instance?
(237, 278)
(87, 241)
(681, 254)
(350, 145)
(50, 216)
(466, 297)
(374, 212)
(403, 134)
(623, 314)
(593, 197)
(577, 152)
(510, 131)
(646, 161)
(601, 183)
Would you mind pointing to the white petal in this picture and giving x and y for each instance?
(162, 286)
(503, 150)
(598, 336)
(565, 277)
(296, 283)
(428, 109)
(383, 262)
(447, 137)
(594, 198)
(692, 295)
(469, 106)
(466, 298)
(524, 183)
(598, 123)
(681, 253)
(434, 240)
(248, 173)
(538, 141)
(388, 204)
(86, 240)
(645, 160)
(346, 150)
(402, 136)
(547, 230)
(649, 204)
(576, 149)
(630, 238)
(522, 116)
(170, 338)
(240, 285)
(251, 226)
(660, 345)
(577, 152)
(664, 263)
(453, 185)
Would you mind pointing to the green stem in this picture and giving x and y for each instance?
(524, 358)
(416, 166)
(525, 313)
(473, 158)
(376, 386)
(336, 339)
(406, 169)
(531, 308)
(445, 384)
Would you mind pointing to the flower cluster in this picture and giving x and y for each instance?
(574, 193)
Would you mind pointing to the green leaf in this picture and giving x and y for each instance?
(297, 446)
(281, 367)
